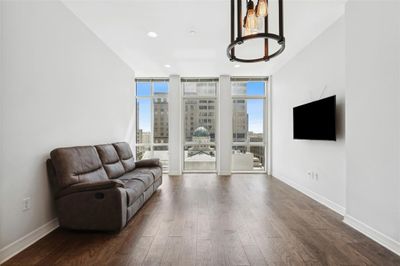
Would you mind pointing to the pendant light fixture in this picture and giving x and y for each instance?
(254, 15)
(250, 20)
(262, 8)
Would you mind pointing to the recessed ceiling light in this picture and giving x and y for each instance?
(192, 32)
(152, 34)
(167, 66)
(237, 65)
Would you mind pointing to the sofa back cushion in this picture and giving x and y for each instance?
(77, 164)
(125, 155)
(110, 160)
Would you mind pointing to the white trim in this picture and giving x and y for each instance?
(200, 171)
(19, 245)
(373, 234)
(250, 172)
(315, 196)
(224, 173)
(174, 173)
(269, 147)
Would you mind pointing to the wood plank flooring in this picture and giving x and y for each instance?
(203, 219)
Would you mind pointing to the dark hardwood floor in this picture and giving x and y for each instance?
(203, 219)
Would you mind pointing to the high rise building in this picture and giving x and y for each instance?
(202, 112)
(240, 120)
(160, 118)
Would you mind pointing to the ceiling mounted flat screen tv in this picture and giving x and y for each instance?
(315, 120)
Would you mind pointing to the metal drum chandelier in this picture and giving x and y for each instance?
(247, 28)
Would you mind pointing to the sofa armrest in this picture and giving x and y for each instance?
(148, 163)
(100, 209)
(90, 186)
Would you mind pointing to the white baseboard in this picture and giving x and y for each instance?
(315, 196)
(223, 173)
(174, 173)
(17, 246)
(375, 235)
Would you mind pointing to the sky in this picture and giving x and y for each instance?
(254, 106)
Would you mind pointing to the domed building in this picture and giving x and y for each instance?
(201, 132)
(201, 142)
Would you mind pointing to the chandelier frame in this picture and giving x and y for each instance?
(237, 37)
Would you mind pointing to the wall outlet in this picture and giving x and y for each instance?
(26, 204)
(312, 175)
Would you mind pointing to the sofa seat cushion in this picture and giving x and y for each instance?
(156, 171)
(110, 160)
(134, 189)
(145, 177)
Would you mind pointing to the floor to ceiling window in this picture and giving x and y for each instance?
(195, 108)
(152, 120)
(199, 125)
(248, 121)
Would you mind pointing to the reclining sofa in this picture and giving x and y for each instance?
(100, 187)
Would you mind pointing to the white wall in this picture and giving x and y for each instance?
(63, 87)
(175, 125)
(1, 105)
(373, 118)
(224, 144)
(317, 71)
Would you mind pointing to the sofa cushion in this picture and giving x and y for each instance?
(146, 178)
(125, 155)
(156, 171)
(77, 164)
(110, 160)
(134, 189)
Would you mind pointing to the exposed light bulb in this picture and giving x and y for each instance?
(262, 8)
(250, 20)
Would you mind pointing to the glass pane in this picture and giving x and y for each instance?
(199, 157)
(200, 88)
(259, 157)
(200, 120)
(143, 88)
(249, 88)
(160, 120)
(240, 120)
(160, 88)
(248, 120)
(248, 158)
(143, 152)
(143, 120)
(161, 152)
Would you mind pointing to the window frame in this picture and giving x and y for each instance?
(150, 97)
(264, 143)
(215, 98)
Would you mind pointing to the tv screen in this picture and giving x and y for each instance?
(315, 120)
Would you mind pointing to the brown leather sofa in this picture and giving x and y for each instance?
(100, 187)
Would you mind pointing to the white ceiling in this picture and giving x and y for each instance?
(123, 26)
